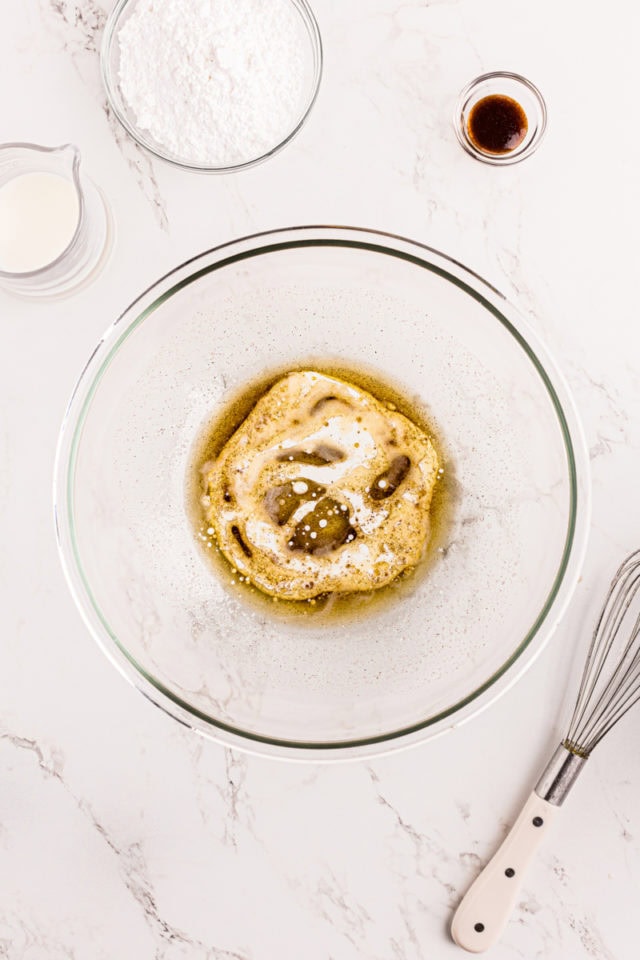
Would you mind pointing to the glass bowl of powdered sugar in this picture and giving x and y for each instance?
(212, 85)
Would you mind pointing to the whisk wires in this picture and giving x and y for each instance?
(611, 679)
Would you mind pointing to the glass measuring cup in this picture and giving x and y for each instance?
(87, 249)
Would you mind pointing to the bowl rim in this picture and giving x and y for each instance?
(419, 254)
(111, 85)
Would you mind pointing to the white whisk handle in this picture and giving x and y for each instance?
(487, 905)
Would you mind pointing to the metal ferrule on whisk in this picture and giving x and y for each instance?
(559, 775)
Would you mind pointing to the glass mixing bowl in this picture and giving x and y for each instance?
(310, 45)
(446, 647)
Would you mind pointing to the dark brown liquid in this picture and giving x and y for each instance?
(336, 606)
(497, 124)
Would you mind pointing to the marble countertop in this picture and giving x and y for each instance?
(123, 834)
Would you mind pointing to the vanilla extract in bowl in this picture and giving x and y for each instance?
(500, 118)
(497, 124)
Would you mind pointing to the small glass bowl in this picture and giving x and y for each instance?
(110, 67)
(502, 83)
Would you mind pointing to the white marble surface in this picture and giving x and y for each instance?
(123, 835)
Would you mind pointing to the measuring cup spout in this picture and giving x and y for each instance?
(69, 156)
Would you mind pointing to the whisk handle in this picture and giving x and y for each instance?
(487, 905)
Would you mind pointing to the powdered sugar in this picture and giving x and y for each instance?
(215, 82)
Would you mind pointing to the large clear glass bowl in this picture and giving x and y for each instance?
(410, 669)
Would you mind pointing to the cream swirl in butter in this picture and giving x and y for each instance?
(321, 489)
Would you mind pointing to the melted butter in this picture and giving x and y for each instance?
(219, 430)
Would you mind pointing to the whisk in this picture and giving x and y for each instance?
(610, 686)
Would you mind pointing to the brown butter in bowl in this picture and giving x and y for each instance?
(322, 488)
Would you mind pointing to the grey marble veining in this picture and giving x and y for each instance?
(78, 29)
